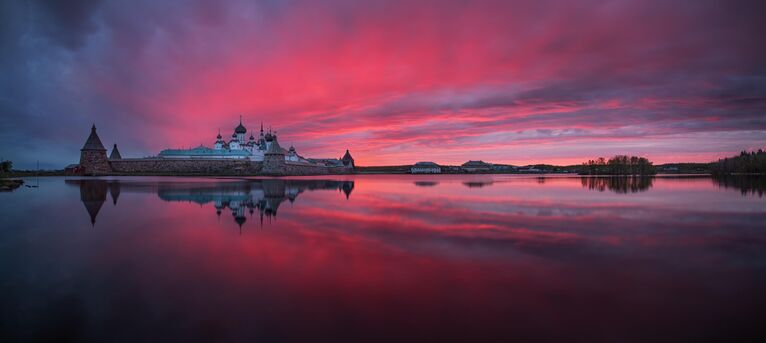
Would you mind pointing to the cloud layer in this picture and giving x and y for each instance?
(394, 81)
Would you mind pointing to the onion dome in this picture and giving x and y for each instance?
(240, 128)
(93, 142)
(252, 138)
(292, 148)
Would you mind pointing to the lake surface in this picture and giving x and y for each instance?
(383, 258)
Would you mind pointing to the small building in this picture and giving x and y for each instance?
(72, 169)
(477, 166)
(426, 168)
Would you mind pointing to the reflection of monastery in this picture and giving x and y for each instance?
(241, 199)
(237, 156)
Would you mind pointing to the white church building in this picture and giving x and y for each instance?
(238, 147)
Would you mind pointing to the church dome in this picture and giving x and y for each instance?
(240, 128)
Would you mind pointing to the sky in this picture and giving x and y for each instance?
(395, 82)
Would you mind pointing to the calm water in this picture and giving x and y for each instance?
(364, 258)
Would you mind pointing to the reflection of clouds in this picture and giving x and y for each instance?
(514, 218)
(541, 226)
(451, 262)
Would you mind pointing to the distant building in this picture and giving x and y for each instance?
(529, 169)
(426, 168)
(476, 166)
(72, 169)
(502, 168)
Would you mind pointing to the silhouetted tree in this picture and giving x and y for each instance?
(753, 162)
(6, 166)
(619, 165)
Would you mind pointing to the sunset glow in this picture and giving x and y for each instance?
(395, 82)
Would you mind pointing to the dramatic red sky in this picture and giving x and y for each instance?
(395, 82)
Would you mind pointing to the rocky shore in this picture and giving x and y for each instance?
(10, 184)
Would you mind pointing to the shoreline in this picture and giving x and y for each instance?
(559, 174)
(10, 184)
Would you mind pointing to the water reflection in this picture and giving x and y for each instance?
(239, 197)
(682, 260)
(746, 184)
(618, 184)
(478, 183)
(426, 183)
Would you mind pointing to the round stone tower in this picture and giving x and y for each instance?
(93, 160)
(274, 159)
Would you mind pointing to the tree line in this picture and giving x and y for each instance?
(5, 166)
(753, 162)
(619, 165)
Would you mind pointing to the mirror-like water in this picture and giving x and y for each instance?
(383, 257)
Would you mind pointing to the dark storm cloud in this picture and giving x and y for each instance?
(64, 22)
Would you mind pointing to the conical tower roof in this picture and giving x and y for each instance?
(115, 153)
(93, 207)
(93, 142)
(114, 191)
(347, 159)
(93, 196)
(274, 148)
(347, 156)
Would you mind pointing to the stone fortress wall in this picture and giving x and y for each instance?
(159, 166)
(154, 166)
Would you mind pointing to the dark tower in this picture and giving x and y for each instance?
(347, 160)
(115, 154)
(274, 159)
(93, 160)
